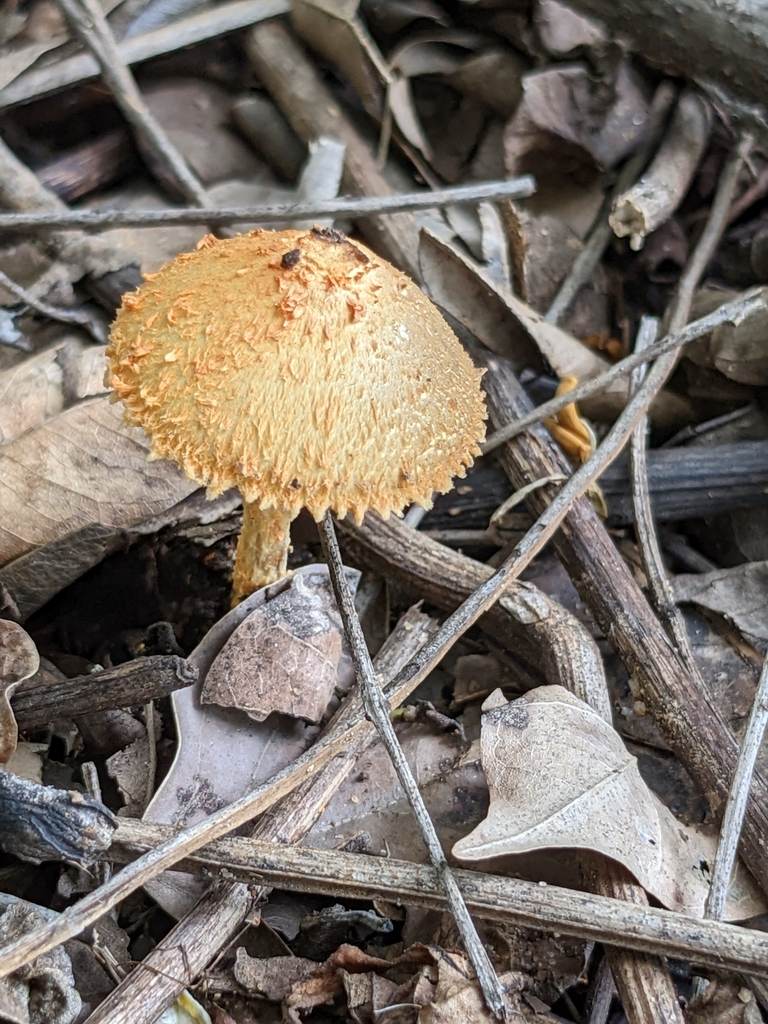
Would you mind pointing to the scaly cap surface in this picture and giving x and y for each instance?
(302, 369)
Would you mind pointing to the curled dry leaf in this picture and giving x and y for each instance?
(563, 122)
(740, 594)
(81, 467)
(222, 753)
(510, 328)
(456, 997)
(18, 661)
(285, 656)
(505, 324)
(560, 776)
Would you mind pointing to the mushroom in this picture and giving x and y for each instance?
(304, 370)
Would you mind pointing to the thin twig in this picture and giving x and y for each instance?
(737, 801)
(95, 327)
(678, 316)
(491, 897)
(735, 809)
(87, 20)
(730, 312)
(73, 920)
(602, 232)
(645, 530)
(223, 18)
(710, 239)
(345, 206)
(377, 711)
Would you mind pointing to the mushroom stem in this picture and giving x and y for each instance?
(262, 550)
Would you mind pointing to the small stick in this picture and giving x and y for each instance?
(80, 916)
(492, 897)
(735, 809)
(678, 315)
(645, 530)
(95, 328)
(378, 711)
(87, 20)
(601, 233)
(656, 196)
(345, 206)
(223, 18)
(745, 305)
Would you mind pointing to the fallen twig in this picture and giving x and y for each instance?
(346, 206)
(679, 312)
(601, 234)
(656, 196)
(88, 21)
(127, 686)
(223, 18)
(491, 897)
(645, 530)
(735, 809)
(378, 711)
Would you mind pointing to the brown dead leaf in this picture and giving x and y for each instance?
(457, 997)
(18, 661)
(740, 594)
(133, 770)
(510, 328)
(81, 467)
(222, 753)
(724, 1001)
(39, 388)
(567, 121)
(273, 977)
(505, 324)
(284, 657)
(560, 777)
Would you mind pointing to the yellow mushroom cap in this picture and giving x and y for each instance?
(302, 369)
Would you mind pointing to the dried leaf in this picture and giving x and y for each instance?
(284, 657)
(510, 328)
(562, 29)
(740, 594)
(724, 1001)
(44, 991)
(560, 777)
(81, 467)
(273, 977)
(504, 323)
(132, 770)
(18, 661)
(737, 349)
(333, 29)
(371, 802)
(38, 388)
(457, 997)
(222, 753)
(567, 120)
(15, 61)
